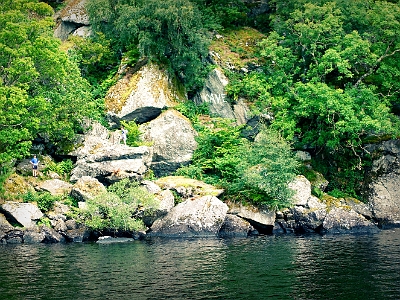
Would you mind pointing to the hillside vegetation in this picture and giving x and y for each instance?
(327, 72)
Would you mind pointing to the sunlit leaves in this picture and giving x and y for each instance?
(41, 90)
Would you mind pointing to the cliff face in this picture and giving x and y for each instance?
(383, 190)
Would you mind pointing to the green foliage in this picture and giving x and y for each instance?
(218, 14)
(44, 201)
(256, 172)
(169, 32)
(93, 55)
(44, 222)
(317, 192)
(337, 193)
(41, 90)
(267, 169)
(216, 146)
(119, 208)
(318, 78)
(134, 135)
(345, 171)
(192, 111)
(62, 168)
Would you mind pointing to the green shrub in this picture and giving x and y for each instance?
(62, 168)
(192, 111)
(44, 201)
(119, 208)
(133, 137)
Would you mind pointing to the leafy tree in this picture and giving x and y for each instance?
(315, 81)
(169, 32)
(256, 172)
(41, 90)
(222, 14)
(265, 171)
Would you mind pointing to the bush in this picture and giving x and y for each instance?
(63, 168)
(45, 201)
(133, 137)
(265, 170)
(119, 208)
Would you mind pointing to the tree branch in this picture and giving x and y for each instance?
(373, 68)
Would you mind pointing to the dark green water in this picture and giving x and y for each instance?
(268, 267)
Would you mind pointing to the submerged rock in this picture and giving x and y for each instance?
(111, 240)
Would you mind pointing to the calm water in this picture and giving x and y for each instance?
(268, 267)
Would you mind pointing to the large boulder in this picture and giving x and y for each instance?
(235, 226)
(166, 202)
(56, 187)
(24, 213)
(330, 215)
(5, 227)
(141, 95)
(306, 218)
(70, 18)
(302, 190)
(188, 187)
(261, 218)
(344, 220)
(383, 190)
(173, 141)
(87, 188)
(16, 185)
(192, 218)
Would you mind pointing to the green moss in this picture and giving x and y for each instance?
(238, 46)
(15, 186)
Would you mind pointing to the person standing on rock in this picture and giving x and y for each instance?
(124, 134)
(35, 164)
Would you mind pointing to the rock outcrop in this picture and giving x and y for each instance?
(103, 158)
(214, 94)
(383, 190)
(72, 17)
(87, 188)
(192, 218)
(261, 219)
(235, 226)
(141, 95)
(56, 187)
(173, 141)
(26, 214)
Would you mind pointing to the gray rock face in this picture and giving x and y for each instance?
(384, 191)
(235, 226)
(166, 203)
(308, 219)
(262, 219)
(187, 187)
(55, 187)
(214, 94)
(199, 217)
(71, 18)
(173, 141)
(241, 112)
(101, 158)
(24, 213)
(339, 220)
(75, 12)
(87, 188)
(302, 189)
(141, 96)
